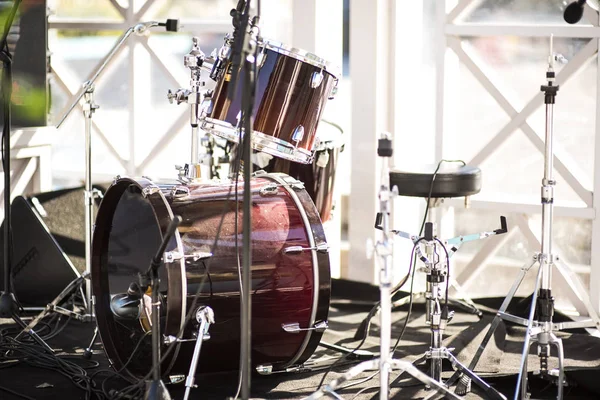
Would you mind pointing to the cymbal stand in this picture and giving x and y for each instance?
(205, 316)
(437, 314)
(199, 102)
(385, 362)
(541, 330)
(89, 107)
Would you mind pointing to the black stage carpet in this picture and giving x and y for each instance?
(350, 304)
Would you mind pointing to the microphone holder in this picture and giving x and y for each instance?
(541, 330)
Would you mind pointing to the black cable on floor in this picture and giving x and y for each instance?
(7, 390)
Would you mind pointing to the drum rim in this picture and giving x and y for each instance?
(312, 338)
(152, 192)
(304, 56)
(227, 131)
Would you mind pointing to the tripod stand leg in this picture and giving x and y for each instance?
(205, 316)
(463, 301)
(88, 351)
(575, 283)
(522, 378)
(405, 366)
(73, 286)
(561, 370)
(32, 333)
(464, 383)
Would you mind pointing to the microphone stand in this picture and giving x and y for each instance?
(156, 389)
(247, 107)
(8, 302)
(243, 49)
(87, 92)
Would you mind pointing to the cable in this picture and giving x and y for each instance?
(367, 326)
(448, 268)
(5, 389)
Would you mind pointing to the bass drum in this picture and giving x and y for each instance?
(318, 177)
(290, 272)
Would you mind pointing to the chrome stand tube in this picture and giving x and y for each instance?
(89, 108)
(542, 297)
(205, 316)
(385, 288)
(541, 331)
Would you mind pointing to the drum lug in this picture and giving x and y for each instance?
(150, 190)
(295, 327)
(269, 190)
(334, 90)
(264, 369)
(298, 134)
(321, 248)
(181, 191)
(172, 256)
(297, 185)
(316, 79)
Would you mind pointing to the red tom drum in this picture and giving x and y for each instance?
(292, 89)
(290, 271)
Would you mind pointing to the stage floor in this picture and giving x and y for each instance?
(350, 304)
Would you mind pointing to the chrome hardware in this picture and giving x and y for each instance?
(261, 58)
(172, 256)
(116, 179)
(206, 104)
(194, 59)
(168, 339)
(221, 58)
(96, 193)
(298, 134)
(321, 248)
(334, 90)
(266, 369)
(205, 316)
(323, 159)
(316, 79)
(297, 185)
(295, 327)
(269, 190)
(150, 190)
(180, 96)
(180, 191)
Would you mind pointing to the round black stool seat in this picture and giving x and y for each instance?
(450, 181)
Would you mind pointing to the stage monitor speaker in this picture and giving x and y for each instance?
(48, 244)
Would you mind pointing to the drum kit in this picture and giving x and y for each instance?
(196, 315)
(291, 196)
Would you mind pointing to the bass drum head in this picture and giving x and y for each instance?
(127, 235)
